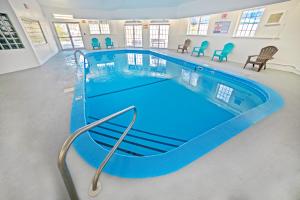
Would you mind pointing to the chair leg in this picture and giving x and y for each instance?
(245, 65)
(260, 66)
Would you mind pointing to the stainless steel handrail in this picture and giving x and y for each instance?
(80, 52)
(65, 173)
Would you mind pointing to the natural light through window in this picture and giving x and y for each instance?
(134, 35)
(34, 31)
(94, 28)
(249, 22)
(97, 29)
(198, 25)
(104, 28)
(159, 35)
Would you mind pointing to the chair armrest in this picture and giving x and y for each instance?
(216, 51)
(253, 56)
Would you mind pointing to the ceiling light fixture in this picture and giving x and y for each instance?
(61, 16)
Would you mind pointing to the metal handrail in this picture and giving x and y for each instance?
(80, 52)
(65, 173)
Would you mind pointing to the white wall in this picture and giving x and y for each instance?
(34, 11)
(16, 59)
(116, 33)
(32, 55)
(284, 36)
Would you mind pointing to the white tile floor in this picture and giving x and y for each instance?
(263, 162)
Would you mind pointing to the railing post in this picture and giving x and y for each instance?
(62, 165)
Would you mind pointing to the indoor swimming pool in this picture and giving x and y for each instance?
(184, 110)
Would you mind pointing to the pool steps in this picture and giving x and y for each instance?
(62, 165)
(136, 143)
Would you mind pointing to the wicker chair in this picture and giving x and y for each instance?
(261, 60)
(185, 46)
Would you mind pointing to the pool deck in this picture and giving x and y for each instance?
(263, 162)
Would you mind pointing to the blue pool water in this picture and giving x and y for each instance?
(184, 110)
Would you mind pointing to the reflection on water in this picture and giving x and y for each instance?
(189, 77)
(134, 59)
(106, 65)
(216, 88)
(157, 62)
(224, 92)
(102, 69)
(146, 65)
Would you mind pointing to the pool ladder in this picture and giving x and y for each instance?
(81, 53)
(62, 165)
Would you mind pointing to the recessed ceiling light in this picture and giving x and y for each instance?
(61, 16)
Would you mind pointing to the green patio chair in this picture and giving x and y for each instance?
(96, 43)
(109, 43)
(201, 49)
(221, 54)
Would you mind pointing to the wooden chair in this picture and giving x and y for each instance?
(265, 54)
(185, 46)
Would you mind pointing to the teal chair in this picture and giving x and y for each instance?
(109, 42)
(201, 49)
(96, 43)
(221, 54)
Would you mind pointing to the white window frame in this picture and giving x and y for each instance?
(136, 36)
(248, 24)
(102, 28)
(94, 28)
(159, 35)
(34, 31)
(201, 23)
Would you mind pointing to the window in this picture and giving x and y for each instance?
(134, 35)
(96, 28)
(9, 38)
(34, 31)
(198, 26)
(104, 28)
(159, 35)
(249, 22)
(69, 35)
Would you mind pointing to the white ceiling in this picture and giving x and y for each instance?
(112, 4)
(146, 9)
